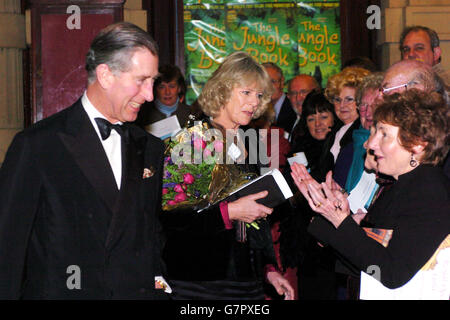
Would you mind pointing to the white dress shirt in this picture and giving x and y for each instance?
(336, 148)
(112, 145)
(278, 104)
(293, 128)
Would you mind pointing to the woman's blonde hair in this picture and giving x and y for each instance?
(371, 82)
(238, 69)
(349, 77)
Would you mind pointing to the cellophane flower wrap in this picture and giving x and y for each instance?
(195, 171)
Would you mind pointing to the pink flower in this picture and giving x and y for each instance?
(188, 178)
(179, 197)
(178, 188)
(171, 202)
(165, 191)
(218, 145)
(199, 144)
(206, 153)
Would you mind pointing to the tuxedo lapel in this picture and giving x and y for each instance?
(83, 143)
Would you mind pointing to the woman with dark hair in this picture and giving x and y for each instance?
(409, 142)
(169, 91)
(316, 122)
(315, 265)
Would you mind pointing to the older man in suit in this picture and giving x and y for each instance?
(284, 113)
(422, 44)
(79, 190)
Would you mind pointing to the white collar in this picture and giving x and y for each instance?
(345, 127)
(278, 104)
(92, 112)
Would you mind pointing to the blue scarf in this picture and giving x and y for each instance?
(167, 110)
(356, 169)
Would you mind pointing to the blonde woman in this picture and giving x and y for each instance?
(204, 256)
(341, 92)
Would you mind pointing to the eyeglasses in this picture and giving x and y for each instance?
(405, 85)
(346, 100)
(296, 93)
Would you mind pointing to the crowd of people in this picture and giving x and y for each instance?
(80, 191)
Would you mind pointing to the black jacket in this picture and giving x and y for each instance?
(416, 208)
(149, 114)
(286, 117)
(60, 207)
(199, 248)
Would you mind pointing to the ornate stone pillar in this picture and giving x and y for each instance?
(12, 43)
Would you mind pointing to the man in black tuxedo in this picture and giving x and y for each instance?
(78, 200)
(284, 114)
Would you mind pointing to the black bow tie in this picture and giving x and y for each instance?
(105, 128)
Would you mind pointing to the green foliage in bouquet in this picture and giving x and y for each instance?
(195, 173)
(185, 184)
(189, 161)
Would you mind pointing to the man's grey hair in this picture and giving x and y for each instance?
(431, 81)
(372, 81)
(114, 46)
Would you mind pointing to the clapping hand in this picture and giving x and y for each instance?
(327, 199)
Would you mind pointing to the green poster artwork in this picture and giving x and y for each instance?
(203, 1)
(204, 45)
(319, 39)
(299, 36)
(267, 31)
(226, 1)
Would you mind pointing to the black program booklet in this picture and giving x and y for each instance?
(273, 181)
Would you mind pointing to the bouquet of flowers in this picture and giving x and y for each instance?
(194, 171)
